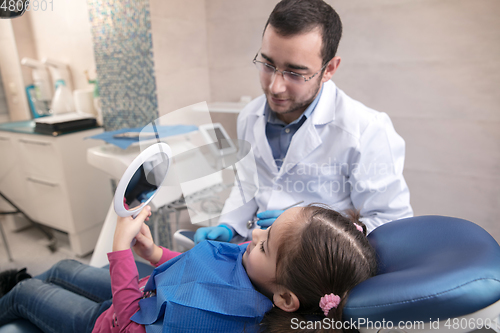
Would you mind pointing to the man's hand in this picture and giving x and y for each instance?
(267, 218)
(219, 233)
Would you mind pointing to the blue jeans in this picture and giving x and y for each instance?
(69, 297)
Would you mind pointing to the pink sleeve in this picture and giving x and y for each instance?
(125, 288)
(167, 255)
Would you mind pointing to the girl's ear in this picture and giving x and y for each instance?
(286, 300)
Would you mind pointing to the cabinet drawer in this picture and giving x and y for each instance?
(49, 203)
(40, 159)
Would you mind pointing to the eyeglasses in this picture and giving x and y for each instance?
(288, 76)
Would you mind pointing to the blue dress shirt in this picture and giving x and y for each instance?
(279, 134)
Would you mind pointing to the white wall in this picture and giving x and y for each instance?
(64, 34)
(23, 35)
(434, 67)
(234, 34)
(11, 74)
(4, 111)
(180, 53)
(203, 49)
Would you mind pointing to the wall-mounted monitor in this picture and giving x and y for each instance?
(219, 141)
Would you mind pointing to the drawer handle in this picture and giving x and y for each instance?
(35, 142)
(41, 182)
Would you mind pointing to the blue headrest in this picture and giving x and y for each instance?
(430, 267)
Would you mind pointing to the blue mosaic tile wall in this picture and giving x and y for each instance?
(123, 47)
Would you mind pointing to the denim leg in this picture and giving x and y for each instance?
(49, 307)
(91, 282)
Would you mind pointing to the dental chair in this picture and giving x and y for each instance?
(435, 274)
(433, 270)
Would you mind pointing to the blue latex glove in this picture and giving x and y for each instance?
(266, 218)
(219, 233)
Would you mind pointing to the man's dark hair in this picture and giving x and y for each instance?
(293, 17)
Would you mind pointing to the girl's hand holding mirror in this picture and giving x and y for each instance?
(137, 187)
(145, 246)
(127, 228)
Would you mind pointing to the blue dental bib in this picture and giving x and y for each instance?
(203, 290)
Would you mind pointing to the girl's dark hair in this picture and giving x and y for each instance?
(326, 254)
(293, 17)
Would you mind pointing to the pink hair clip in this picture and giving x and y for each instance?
(329, 302)
(360, 228)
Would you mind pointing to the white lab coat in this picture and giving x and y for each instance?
(345, 155)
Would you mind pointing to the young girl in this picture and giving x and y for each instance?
(306, 263)
(319, 256)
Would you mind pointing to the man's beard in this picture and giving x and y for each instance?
(296, 105)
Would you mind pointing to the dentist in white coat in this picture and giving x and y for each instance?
(311, 142)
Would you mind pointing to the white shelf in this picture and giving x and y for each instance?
(222, 107)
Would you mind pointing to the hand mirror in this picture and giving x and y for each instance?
(142, 179)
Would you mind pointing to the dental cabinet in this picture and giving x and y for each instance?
(49, 178)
